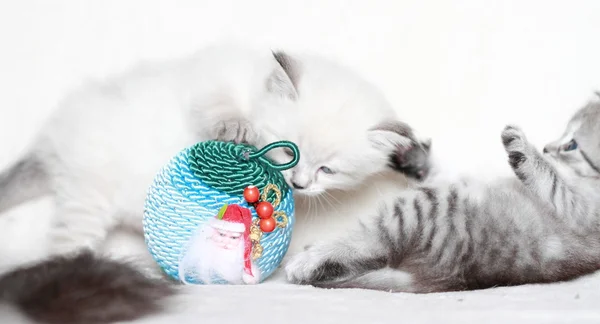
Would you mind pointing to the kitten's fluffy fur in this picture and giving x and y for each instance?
(541, 226)
(81, 289)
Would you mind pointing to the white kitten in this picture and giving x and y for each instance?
(99, 152)
(346, 132)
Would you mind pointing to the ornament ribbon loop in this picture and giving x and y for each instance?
(280, 144)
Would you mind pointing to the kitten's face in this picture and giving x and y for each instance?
(327, 166)
(579, 147)
(344, 129)
(336, 156)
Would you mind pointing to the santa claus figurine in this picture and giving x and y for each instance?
(221, 250)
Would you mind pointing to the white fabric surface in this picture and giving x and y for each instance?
(573, 302)
(457, 70)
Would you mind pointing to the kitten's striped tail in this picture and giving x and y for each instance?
(23, 181)
(80, 289)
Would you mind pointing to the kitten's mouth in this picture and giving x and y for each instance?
(308, 192)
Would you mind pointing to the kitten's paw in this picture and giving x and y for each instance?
(516, 145)
(299, 269)
(235, 130)
(513, 138)
(310, 267)
(412, 161)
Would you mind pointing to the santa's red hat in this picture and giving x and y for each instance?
(237, 219)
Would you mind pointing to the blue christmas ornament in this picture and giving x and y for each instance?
(220, 213)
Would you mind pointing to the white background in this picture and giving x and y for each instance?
(456, 70)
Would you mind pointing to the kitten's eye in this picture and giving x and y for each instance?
(572, 145)
(288, 152)
(326, 170)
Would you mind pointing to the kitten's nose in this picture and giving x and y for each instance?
(297, 186)
(546, 149)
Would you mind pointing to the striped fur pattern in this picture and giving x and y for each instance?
(543, 225)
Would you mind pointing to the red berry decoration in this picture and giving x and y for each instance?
(267, 224)
(251, 194)
(264, 209)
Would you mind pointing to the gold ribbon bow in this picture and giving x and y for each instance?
(280, 218)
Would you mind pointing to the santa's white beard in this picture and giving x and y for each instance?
(207, 262)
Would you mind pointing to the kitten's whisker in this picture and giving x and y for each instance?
(309, 214)
(333, 206)
(333, 197)
(320, 201)
(316, 198)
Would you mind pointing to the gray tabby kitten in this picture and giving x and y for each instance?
(541, 226)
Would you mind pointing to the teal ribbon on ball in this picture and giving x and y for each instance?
(231, 168)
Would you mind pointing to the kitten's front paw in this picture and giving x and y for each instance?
(310, 267)
(516, 145)
(412, 161)
(299, 269)
(235, 130)
(513, 138)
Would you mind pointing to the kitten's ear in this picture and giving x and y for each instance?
(391, 135)
(283, 80)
